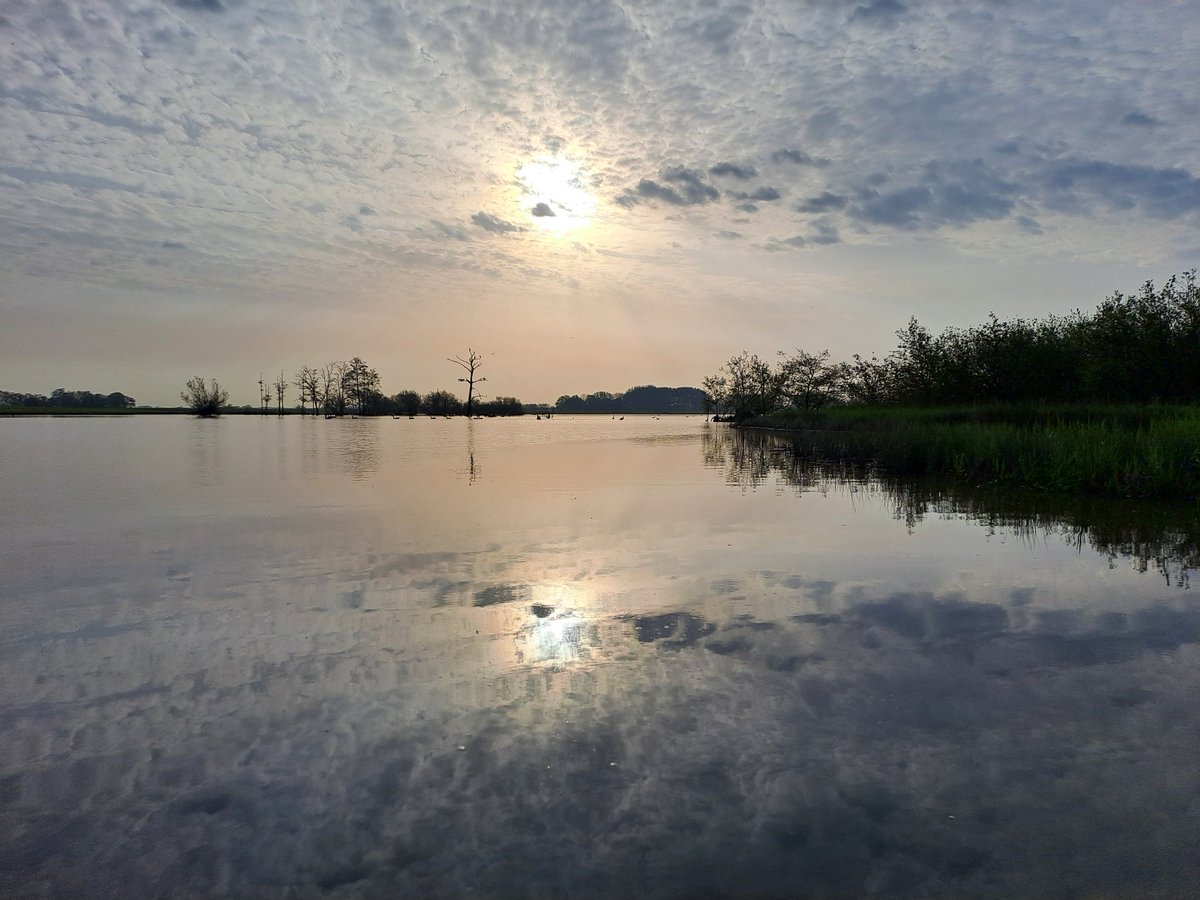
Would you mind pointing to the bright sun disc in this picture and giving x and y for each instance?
(553, 193)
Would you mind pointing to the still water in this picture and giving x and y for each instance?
(575, 658)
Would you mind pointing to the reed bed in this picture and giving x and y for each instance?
(1125, 451)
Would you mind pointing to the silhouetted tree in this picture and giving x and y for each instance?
(441, 403)
(716, 390)
(470, 365)
(332, 379)
(264, 395)
(810, 380)
(407, 403)
(308, 382)
(205, 400)
(500, 406)
(360, 384)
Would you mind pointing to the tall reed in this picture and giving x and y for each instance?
(1128, 451)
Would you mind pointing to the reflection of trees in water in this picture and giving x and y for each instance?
(205, 453)
(355, 445)
(473, 470)
(1158, 536)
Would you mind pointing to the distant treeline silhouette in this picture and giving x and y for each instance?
(645, 398)
(64, 399)
(1142, 347)
(352, 387)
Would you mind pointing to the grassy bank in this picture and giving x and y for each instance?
(1126, 451)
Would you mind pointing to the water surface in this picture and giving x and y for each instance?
(580, 657)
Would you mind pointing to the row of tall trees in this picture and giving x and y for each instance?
(353, 387)
(1140, 347)
(65, 399)
(646, 398)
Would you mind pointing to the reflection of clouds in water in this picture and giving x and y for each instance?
(903, 743)
(273, 704)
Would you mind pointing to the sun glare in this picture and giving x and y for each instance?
(553, 193)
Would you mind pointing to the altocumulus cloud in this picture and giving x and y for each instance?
(274, 132)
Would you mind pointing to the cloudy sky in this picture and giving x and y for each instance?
(593, 194)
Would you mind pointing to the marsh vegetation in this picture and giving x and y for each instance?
(1099, 403)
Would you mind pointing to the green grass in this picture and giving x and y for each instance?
(1125, 451)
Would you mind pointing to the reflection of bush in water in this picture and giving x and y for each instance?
(1157, 535)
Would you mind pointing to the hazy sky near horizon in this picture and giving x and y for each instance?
(592, 194)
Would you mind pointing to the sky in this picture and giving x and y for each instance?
(592, 195)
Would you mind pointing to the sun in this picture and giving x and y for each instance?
(553, 192)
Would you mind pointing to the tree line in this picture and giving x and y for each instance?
(645, 398)
(341, 388)
(65, 399)
(1133, 348)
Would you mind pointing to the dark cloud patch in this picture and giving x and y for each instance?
(684, 188)
(1028, 225)
(491, 223)
(204, 5)
(824, 233)
(1140, 120)
(881, 13)
(900, 209)
(825, 202)
(542, 210)
(733, 170)
(694, 190)
(793, 243)
(764, 194)
(173, 245)
(729, 235)
(796, 157)
(450, 231)
(1162, 193)
(952, 194)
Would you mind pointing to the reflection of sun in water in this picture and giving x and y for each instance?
(554, 193)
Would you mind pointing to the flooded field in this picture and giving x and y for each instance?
(576, 658)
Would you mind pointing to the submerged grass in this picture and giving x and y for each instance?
(1126, 451)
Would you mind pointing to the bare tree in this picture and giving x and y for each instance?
(308, 382)
(716, 389)
(332, 393)
(470, 365)
(204, 399)
(264, 395)
(280, 386)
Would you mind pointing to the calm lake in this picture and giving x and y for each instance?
(583, 657)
